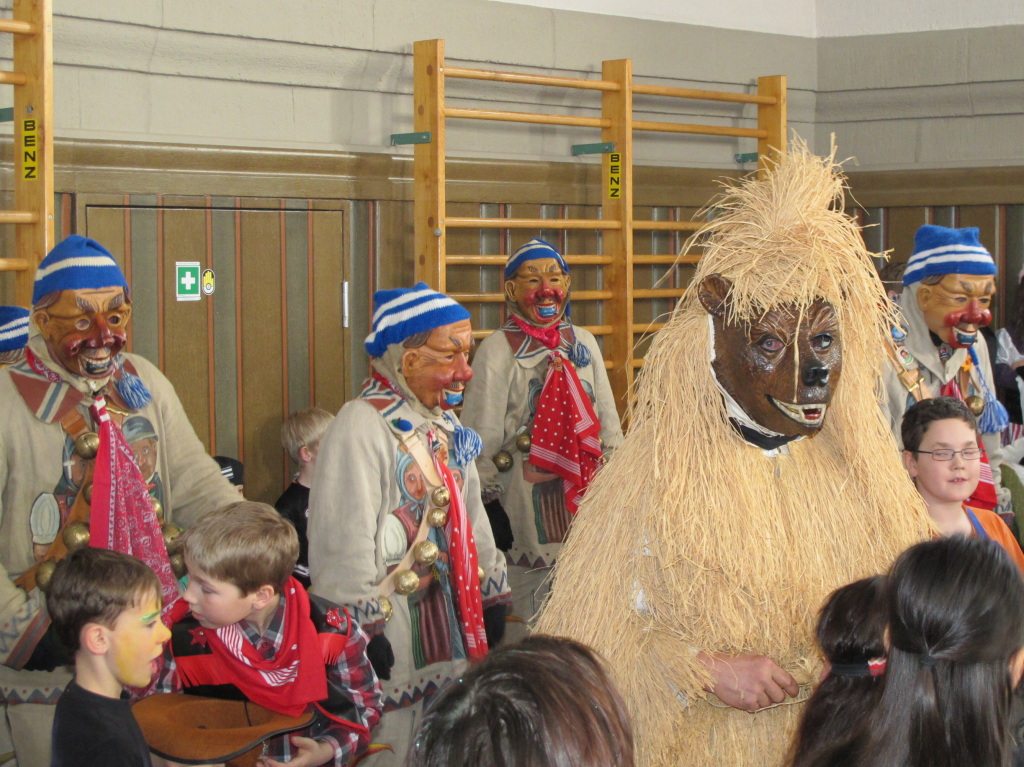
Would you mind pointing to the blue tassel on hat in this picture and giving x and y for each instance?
(132, 391)
(994, 418)
(579, 355)
(466, 445)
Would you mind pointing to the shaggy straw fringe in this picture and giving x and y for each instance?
(690, 539)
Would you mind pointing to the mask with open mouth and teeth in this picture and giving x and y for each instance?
(780, 368)
(85, 329)
(539, 291)
(437, 371)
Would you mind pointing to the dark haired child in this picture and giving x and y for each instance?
(543, 702)
(255, 632)
(942, 453)
(956, 653)
(851, 634)
(105, 607)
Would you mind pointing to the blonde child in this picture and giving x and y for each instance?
(300, 437)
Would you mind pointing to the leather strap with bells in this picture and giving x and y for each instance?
(910, 377)
(419, 453)
(74, 426)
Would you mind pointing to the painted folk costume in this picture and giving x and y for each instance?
(65, 463)
(512, 373)
(753, 481)
(397, 531)
(948, 287)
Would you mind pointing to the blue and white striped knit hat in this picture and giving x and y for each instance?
(77, 263)
(535, 248)
(940, 250)
(13, 328)
(404, 312)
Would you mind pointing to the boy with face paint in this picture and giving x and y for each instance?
(76, 384)
(407, 551)
(528, 503)
(948, 287)
(106, 608)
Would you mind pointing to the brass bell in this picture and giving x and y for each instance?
(440, 496)
(178, 564)
(425, 553)
(503, 460)
(437, 517)
(170, 531)
(158, 509)
(75, 535)
(406, 582)
(386, 608)
(44, 572)
(976, 404)
(523, 443)
(87, 445)
(87, 493)
(481, 574)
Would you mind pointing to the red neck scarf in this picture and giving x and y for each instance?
(288, 683)
(465, 566)
(549, 336)
(121, 516)
(565, 438)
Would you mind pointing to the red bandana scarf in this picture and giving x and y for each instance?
(549, 336)
(984, 495)
(565, 438)
(287, 684)
(465, 567)
(122, 517)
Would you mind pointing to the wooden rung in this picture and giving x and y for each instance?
(16, 27)
(518, 77)
(668, 226)
(500, 260)
(658, 292)
(13, 78)
(648, 327)
(638, 363)
(691, 93)
(494, 298)
(18, 217)
(681, 260)
(13, 264)
(527, 117)
(704, 130)
(531, 223)
(608, 364)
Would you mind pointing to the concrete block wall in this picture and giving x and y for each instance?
(337, 74)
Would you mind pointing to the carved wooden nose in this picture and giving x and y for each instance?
(814, 375)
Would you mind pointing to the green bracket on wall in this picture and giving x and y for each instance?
(423, 137)
(7, 115)
(603, 148)
(748, 157)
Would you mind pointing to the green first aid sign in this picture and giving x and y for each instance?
(186, 281)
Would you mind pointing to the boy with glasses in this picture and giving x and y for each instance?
(942, 454)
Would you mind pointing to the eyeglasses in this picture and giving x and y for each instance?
(945, 454)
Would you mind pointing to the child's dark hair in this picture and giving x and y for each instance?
(92, 585)
(851, 634)
(923, 414)
(956, 618)
(544, 702)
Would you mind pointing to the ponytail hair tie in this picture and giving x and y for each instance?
(927, 660)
